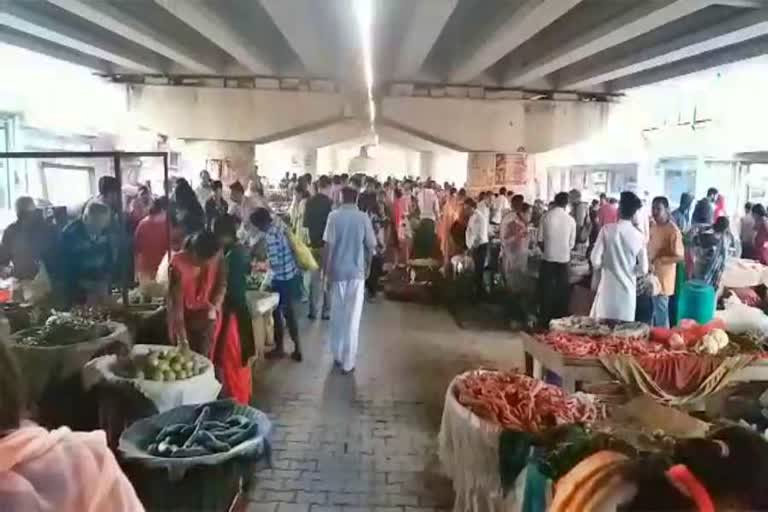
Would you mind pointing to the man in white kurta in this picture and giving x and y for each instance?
(350, 242)
(620, 254)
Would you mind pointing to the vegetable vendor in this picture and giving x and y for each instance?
(234, 343)
(196, 292)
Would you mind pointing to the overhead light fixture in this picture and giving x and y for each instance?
(364, 14)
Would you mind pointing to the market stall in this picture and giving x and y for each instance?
(261, 305)
(514, 443)
(51, 356)
(676, 366)
(480, 406)
(150, 379)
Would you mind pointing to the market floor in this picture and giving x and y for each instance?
(367, 441)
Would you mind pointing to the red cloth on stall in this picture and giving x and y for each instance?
(679, 374)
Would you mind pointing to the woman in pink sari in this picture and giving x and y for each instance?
(57, 470)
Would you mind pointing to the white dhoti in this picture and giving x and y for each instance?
(346, 308)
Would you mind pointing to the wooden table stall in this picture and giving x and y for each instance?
(540, 358)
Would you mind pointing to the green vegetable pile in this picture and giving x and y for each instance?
(168, 365)
(205, 436)
(63, 329)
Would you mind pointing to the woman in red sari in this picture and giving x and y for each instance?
(196, 292)
(234, 343)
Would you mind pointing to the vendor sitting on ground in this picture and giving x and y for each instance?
(87, 259)
(196, 292)
(59, 470)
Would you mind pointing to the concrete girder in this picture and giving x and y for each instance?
(645, 17)
(112, 19)
(302, 33)
(733, 31)
(20, 18)
(44, 47)
(212, 25)
(426, 20)
(747, 50)
(527, 21)
(212, 113)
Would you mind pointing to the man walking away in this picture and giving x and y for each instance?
(557, 236)
(704, 212)
(316, 213)
(747, 233)
(286, 281)
(350, 243)
(665, 250)
(477, 240)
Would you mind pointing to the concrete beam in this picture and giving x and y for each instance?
(212, 25)
(647, 16)
(748, 50)
(729, 32)
(52, 50)
(33, 23)
(303, 33)
(425, 22)
(528, 20)
(112, 19)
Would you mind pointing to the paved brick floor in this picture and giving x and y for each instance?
(366, 442)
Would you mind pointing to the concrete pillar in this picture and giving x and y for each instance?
(427, 169)
(227, 161)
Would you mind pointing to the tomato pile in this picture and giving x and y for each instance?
(518, 402)
(579, 346)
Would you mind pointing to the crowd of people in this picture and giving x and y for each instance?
(356, 228)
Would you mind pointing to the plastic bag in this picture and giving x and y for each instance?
(740, 318)
(304, 258)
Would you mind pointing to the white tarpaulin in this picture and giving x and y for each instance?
(165, 395)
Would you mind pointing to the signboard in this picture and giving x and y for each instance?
(494, 170)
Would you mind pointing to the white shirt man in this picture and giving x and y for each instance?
(619, 252)
(500, 207)
(429, 205)
(477, 230)
(558, 234)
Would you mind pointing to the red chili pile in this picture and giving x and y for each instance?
(519, 402)
(579, 346)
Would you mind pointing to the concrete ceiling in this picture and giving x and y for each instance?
(567, 45)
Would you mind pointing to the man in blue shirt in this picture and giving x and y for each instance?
(285, 281)
(87, 256)
(350, 244)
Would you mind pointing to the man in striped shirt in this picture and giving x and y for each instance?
(286, 281)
